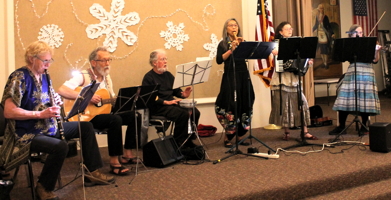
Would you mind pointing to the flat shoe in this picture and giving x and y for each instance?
(228, 144)
(312, 138)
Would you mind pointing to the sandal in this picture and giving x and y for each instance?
(228, 144)
(311, 138)
(129, 161)
(286, 136)
(120, 169)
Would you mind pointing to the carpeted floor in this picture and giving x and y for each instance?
(346, 171)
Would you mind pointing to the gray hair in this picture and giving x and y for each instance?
(225, 33)
(94, 53)
(153, 56)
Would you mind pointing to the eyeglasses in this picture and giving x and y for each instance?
(163, 59)
(45, 61)
(232, 25)
(288, 29)
(105, 61)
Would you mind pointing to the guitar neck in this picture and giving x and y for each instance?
(108, 101)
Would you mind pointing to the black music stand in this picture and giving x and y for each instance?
(358, 49)
(248, 50)
(298, 48)
(189, 74)
(253, 50)
(78, 108)
(133, 98)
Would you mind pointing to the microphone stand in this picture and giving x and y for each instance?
(78, 108)
(236, 151)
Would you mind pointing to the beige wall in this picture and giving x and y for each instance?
(262, 104)
(201, 18)
(7, 47)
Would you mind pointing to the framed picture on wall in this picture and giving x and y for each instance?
(326, 26)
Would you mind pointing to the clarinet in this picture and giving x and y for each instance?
(53, 103)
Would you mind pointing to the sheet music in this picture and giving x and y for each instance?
(192, 73)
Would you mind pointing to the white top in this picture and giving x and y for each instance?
(80, 80)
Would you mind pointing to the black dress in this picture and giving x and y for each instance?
(225, 102)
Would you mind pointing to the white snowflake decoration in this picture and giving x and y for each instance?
(113, 24)
(174, 36)
(212, 47)
(52, 35)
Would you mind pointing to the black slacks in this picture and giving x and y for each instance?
(180, 116)
(57, 150)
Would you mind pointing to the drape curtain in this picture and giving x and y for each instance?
(298, 13)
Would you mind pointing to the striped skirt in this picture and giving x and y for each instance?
(367, 97)
(290, 115)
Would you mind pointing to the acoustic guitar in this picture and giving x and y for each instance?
(104, 107)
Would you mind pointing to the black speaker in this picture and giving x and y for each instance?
(380, 137)
(161, 152)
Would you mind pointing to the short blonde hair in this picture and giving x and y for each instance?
(36, 48)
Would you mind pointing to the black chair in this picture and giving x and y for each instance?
(161, 124)
(16, 159)
(2, 132)
(28, 162)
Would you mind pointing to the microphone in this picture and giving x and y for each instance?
(351, 32)
(229, 42)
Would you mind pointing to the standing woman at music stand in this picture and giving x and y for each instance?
(233, 69)
(284, 94)
(367, 97)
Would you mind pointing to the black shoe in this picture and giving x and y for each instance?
(337, 130)
(245, 144)
(363, 131)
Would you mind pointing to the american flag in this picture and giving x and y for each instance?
(365, 14)
(264, 32)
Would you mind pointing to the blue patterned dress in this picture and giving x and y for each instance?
(27, 93)
(367, 96)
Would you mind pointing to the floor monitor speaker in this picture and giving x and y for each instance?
(380, 137)
(161, 152)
